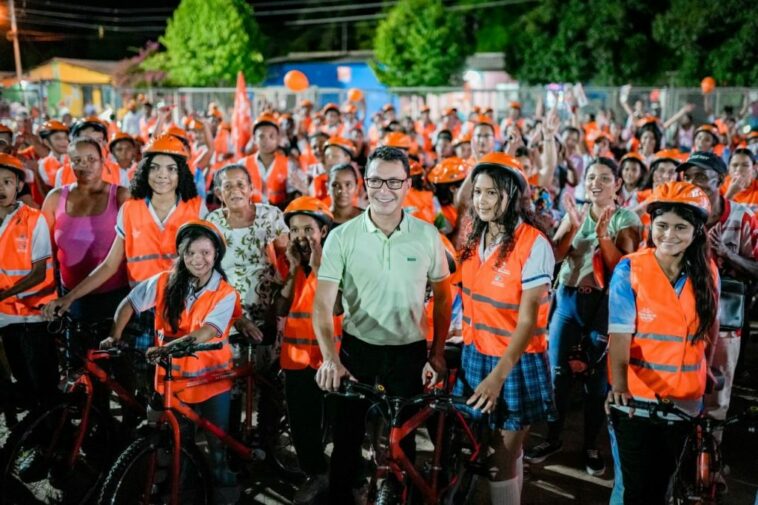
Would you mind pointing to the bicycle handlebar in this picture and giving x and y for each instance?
(189, 348)
(664, 406)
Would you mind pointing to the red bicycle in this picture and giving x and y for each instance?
(457, 461)
(61, 454)
(160, 467)
(694, 480)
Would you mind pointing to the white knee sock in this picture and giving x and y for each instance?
(505, 492)
(520, 471)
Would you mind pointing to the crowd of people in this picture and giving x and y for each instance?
(553, 247)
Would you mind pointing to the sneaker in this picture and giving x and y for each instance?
(311, 488)
(593, 463)
(541, 452)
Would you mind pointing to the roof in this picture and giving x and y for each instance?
(70, 70)
(102, 66)
(335, 56)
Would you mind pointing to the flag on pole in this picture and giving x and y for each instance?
(242, 122)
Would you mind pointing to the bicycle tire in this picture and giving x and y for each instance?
(387, 494)
(31, 474)
(274, 429)
(131, 474)
(468, 473)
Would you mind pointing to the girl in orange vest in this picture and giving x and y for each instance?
(741, 184)
(665, 301)
(446, 178)
(26, 281)
(54, 135)
(507, 266)
(163, 197)
(309, 220)
(193, 302)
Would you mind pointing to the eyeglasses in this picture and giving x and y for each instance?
(80, 161)
(376, 183)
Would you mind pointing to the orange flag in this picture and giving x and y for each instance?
(242, 122)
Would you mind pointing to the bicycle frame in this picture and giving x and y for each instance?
(85, 383)
(172, 404)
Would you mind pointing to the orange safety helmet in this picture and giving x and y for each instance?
(118, 137)
(264, 119)
(672, 155)
(486, 120)
(506, 162)
(89, 122)
(177, 132)
(515, 105)
(330, 106)
(636, 156)
(195, 125)
(167, 144)
(5, 129)
(306, 103)
(50, 127)
(462, 139)
(343, 143)
(449, 170)
(310, 206)
(205, 226)
(415, 168)
(709, 128)
(14, 164)
(752, 135)
(398, 140)
(682, 193)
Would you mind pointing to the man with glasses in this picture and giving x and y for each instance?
(381, 262)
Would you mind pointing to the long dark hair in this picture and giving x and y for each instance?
(697, 265)
(504, 183)
(180, 279)
(140, 187)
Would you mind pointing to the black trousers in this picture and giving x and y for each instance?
(33, 360)
(649, 451)
(398, 369)
(305, 406)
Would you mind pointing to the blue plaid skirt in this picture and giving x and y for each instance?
(527, 395)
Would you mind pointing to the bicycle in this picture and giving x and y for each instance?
(457, 449)
(61, 453)
(694, 480)
(160, 467)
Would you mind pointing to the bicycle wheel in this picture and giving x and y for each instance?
(35, 461)
(141, 475)
(388, 494)
(274, 428)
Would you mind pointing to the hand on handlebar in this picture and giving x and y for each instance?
(434, 370)
(56, 308)
(330, 373)
(108, 343)
(616, 397)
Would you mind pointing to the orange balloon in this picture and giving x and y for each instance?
(296, 81)
(354, 95)
(707, 85)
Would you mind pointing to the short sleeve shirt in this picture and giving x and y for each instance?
(383, 279)
(576, 270)
(247, 264)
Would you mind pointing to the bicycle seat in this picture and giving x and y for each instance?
(452, 356)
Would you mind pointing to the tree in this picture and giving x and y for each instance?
(716, 38)
(602, 41)
(208, 41)
(419, 43)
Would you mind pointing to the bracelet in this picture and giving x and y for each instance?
(605, 237)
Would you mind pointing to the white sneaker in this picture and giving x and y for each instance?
(312, 487)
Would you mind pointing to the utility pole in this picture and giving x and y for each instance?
(16, 49)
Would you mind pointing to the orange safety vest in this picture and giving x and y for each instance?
(748, 196)
(492, 295)
(50, 166)
(320, 186)
(299, 345)
(16, 263)
(276, 181)
(662, 358)
(420, 204)
(149, 249)
(191, 320)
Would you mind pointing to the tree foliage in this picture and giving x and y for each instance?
(716, 38)
(208, 41)
(419, 43)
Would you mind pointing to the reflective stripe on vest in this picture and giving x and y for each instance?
(191, 320)
(16, 250)
(148, 248)
(663, 360)
(299, 345)
(492, 295)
